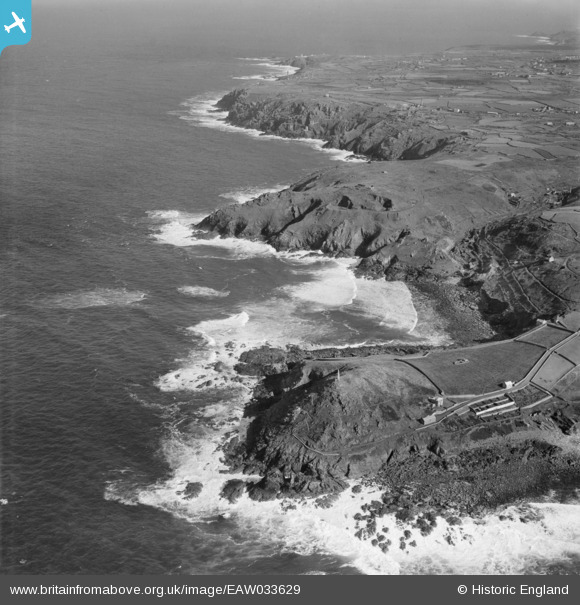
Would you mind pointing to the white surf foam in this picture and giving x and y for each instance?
(390, 303)
(177, 228)
(194, 455)
(333, 285)
(529, 536)
(202, 111)
(174, 227)
(246, 194)
(299, 527)
(239, 248)
(221, 342)
(274, 71)
(100, 297)
(538, 39)
(203, 292)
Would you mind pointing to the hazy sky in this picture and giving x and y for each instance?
(569, 7)
(335, 26)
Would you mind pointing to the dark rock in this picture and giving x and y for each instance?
(403, 514)
(233, 490)
(377, 134)
(421, 223)
(192, 490)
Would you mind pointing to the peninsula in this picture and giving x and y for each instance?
(469, 193)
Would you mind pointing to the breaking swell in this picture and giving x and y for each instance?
(202, 111)
(518, 539)
(525, 538)
(324, 305)
(314, 311)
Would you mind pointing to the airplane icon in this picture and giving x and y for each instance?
(17, 22)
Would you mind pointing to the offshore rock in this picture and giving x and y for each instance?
(233, 490)
(192, 490)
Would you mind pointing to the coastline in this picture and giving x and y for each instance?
(271, 443)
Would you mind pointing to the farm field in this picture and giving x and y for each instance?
(554, 369)
(547, 336)
(483, 371)
(571, 350)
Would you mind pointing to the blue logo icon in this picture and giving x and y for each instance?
(15, 22)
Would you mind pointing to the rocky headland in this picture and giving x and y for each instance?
(471, 196)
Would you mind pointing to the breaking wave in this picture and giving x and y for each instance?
(100, 297)
(202, 111)
(304, 313)
(178, 229)
(203, 292)
(390, 303)
(506, 544)
(274, 70)
(333, 285)
(246, 194)
(519, 539)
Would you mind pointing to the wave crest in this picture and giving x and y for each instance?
(203, 292)
(100, 297)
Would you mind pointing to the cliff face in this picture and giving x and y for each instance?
(414, 211)
(322, 422)
(376, 132)
(526, 266)
(487, 223)
(431, 220)
(327, 421)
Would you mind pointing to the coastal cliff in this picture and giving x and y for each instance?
(484, 222)
(377, 132)
(323, 422)
(431, 222)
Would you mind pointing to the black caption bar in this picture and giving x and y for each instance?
(289, 589)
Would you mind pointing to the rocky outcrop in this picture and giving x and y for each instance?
(431, 221)
(233, 490)
(412, 211)
(324, 422)
(192, 490)
(526, 267)
(377, 133)
(494, 235)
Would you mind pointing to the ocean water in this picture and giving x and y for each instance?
(114, 313)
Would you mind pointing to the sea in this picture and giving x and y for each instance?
(121, 324)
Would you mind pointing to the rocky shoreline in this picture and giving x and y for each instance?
(487, 240)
